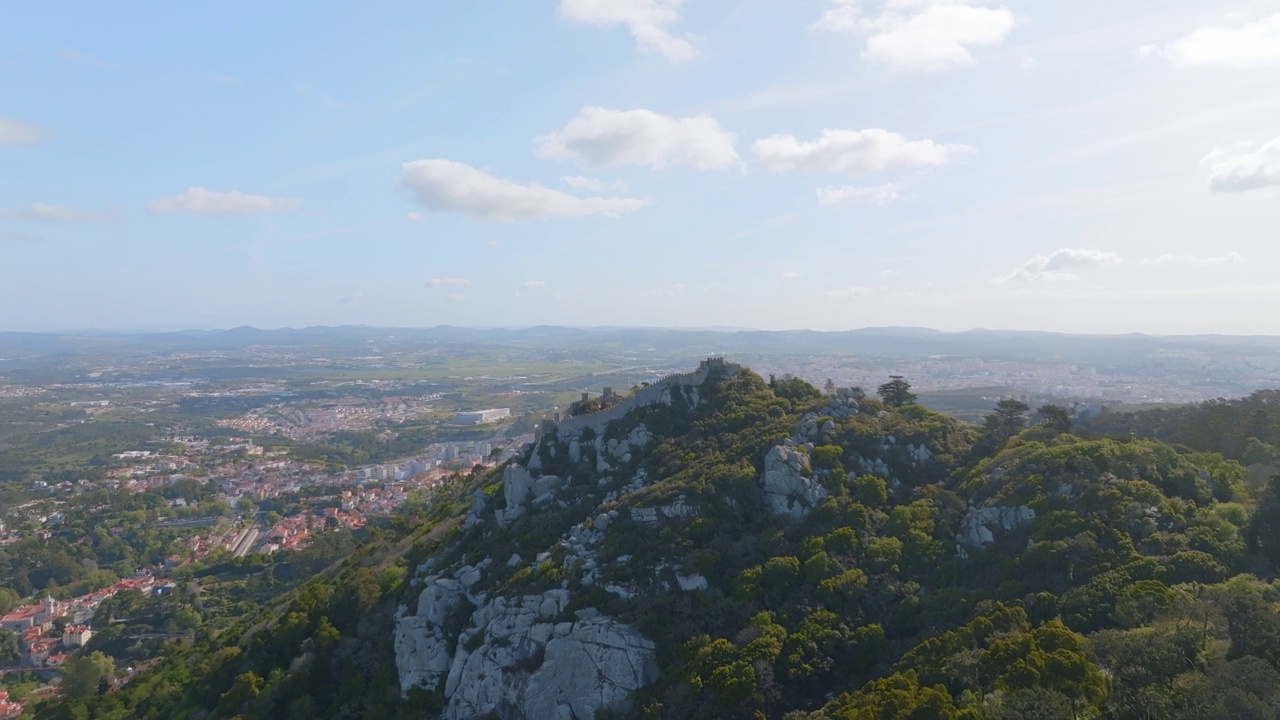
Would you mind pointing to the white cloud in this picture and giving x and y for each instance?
(45, 211)
(849, 293)
(352, 297)
(414, 217)
(1054, 266)
(1243, 167)
(16, 132)
(534, 285)
(599, 136)
(842, 16)
(448, 282)
(833, 195)
(852, 152)
(1230, 258)
(888, 273)
(590, 184)
(1254, 45)
(455, 298)
(790, 275)
(925, 35)
(201, 201)
(648, 20)
(447, 186)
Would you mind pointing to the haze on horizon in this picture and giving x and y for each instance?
(824, 164)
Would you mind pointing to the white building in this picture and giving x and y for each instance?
(482, 417)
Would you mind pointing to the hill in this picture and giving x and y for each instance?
(718, 545)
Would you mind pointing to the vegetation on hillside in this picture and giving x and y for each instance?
(1143, 587)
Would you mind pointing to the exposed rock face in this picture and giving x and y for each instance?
(786, 489)
(845, 402)
(920, 454)
(651, 515)
(696, 581)
(517, 483)
(528, 661)
(523, 655)
(596, 665)
(479, 503)
(877, 467)
(980, 527)
(811, 430)
(422, 650)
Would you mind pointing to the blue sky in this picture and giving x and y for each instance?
(1089, 166)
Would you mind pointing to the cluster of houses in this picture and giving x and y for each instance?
(9, 708)
(34, 623)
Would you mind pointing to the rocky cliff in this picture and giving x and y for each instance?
(477, 637)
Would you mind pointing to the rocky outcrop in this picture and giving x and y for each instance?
(525, 655)
(919, 453)
(877, 467)
(689, 583)
(787, 489)
(479, 504)
(422, 650)
(520, 490)
(516, 485)
(595, 665)
(519, 657)
(813, 427)
(845, 402)
(651, 515)
(981, 527)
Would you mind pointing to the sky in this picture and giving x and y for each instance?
(1090, 166)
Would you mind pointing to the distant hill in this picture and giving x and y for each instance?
(886, 341)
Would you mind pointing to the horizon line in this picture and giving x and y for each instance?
(724, 330)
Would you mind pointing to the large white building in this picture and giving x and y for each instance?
(482, 417)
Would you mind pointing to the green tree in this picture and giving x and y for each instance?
(870, 490)
(815, 568)
(1055, 418)
(81, 676)
(780, 572)
(1008, 420)
(897, 697)
(9, 646)
(186, 618)
(1264, 527)
(1257, 452)
(245, 689)
(8, 600)
(896, 392)
(827, 457)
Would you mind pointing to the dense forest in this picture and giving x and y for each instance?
(1129, 574)
(1246, 430)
